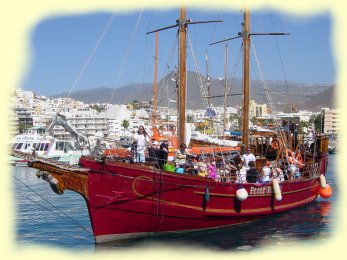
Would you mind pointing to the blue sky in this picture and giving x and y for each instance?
(61, 45)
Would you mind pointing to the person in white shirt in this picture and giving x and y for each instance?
(241, 173)
(141, 140)
(265, 173)
(247, 157)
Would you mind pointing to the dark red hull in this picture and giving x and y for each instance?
(128, 201)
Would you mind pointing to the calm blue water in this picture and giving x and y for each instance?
(62, 221)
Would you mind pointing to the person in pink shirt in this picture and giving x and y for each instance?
(211, 170)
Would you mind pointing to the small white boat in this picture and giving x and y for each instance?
(34, 140)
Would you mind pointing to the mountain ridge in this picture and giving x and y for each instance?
(284, 94)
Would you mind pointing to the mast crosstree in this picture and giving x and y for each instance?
(245, 35)
(182, 24)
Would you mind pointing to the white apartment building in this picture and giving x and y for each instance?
(88, 121)
(331, 120)
(116, 114)
(115, 128)
(25, 98)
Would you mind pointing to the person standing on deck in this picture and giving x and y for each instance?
(141, 139)
(247, 157)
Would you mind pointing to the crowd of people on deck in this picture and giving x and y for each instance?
(205, 166)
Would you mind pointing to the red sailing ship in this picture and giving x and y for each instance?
(129, 200)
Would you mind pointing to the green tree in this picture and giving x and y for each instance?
(97, 108)
(238, 120)
(302, 124)
(136, 104)
(190, 118)
(317, 121)
(125, 124)
(22, 127)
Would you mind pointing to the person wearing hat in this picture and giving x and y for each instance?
(247, 157)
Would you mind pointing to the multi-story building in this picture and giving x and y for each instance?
(88, 122)
(13, 123)
(331, 121)
(257, 110)
(25, 117)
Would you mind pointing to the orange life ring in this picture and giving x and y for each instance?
(290, 156)
(275, 144)
(300, 161)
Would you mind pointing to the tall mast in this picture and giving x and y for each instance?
(182, 75)
(246, 33)
(225, 87)
(182, 24)
(155, 81)
(246, 45)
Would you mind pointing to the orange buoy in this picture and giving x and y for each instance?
(325, 192)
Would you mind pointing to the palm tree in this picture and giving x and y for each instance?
(125, 124)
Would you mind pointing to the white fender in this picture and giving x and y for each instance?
(241, 194)
(323, 182)
(277, 190)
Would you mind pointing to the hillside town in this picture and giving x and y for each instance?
(150, 165)
(116, 121)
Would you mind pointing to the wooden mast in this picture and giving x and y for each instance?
(182, 75)
(155, 81)
(246, 33)
(182, 23)
(245, 109)
(225, 87)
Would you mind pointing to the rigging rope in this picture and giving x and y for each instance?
(126, 55)
(68, 218)
(201, 82)
(87, 62)
(279, 54)
(268, 96)
(102, 35)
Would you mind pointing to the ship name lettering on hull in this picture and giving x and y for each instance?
(260, 190)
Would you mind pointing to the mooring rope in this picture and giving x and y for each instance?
(65, 216)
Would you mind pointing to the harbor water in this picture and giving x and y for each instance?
(46, 219)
